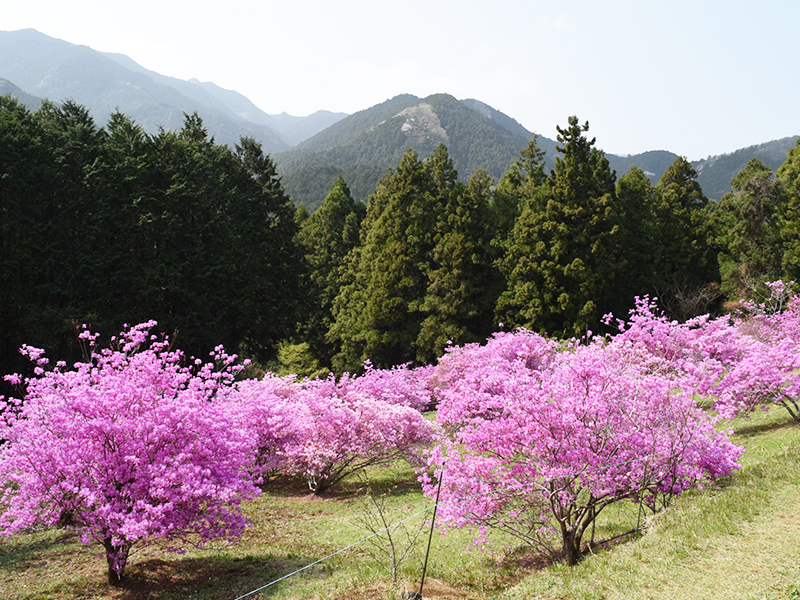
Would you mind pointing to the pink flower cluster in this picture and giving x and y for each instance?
(133, 445)
(766, 344)
(324, 430)
(541, 439)
(125, 448)
(532, 437)
(739, 362)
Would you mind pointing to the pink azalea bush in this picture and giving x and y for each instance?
(541, 440)
(768, 370)
(276, 417)
(324, 430)
(738, 363)
(126, 448)
(399, 385)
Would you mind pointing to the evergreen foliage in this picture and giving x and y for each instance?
(636, 243)
(380, 322)
(746, 231)
(561, 262)
(325, 239)
(422, 275)
(459, 300)
(683, 261)
(112, 226)
(788, 176)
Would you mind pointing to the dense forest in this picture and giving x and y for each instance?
(111, 225)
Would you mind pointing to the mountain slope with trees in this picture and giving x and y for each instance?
(364, 145)
(313, 151)
(30, 101)
(104, 83)
(716, 173)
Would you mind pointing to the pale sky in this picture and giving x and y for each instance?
(697, 78)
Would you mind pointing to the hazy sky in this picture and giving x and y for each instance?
(694, 77)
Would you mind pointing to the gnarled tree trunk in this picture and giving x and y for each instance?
(116, 557)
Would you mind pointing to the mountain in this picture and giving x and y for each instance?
(364, 145)
(312, 151)
(715, 173)
(291, 129)
(30, 102)
(653, 163)
(298, 129)
(102, 82)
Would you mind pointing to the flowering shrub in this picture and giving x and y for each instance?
(324, 430)
(279, 421)
(541, 440)
(128, 447)
(740, 363)
(399, 385)
(768, 370)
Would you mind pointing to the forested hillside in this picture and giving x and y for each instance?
(313, 151)
(716, 173)
(110, 225)
(9, 89)
(364, 145)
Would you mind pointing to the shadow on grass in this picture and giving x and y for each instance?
(398, 487)
(351, 487)
(749, 430)
(209, 578)
(23, 551)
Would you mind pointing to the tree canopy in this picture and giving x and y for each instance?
(111, 226)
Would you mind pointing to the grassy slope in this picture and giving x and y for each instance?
(738, 539)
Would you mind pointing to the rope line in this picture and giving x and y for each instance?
(477, 495)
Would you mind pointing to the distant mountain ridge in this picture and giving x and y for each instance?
(716, 172)
(364, 145)
(313, 151)
(30, 102)
(49, 68)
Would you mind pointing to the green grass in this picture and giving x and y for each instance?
(738, 538)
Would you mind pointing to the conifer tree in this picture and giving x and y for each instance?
(746, 231)
(521, 181)
(684, 264)
(637, 200)
(25, 228)
(422, 275)
(461, 292)
(377, 313)
(561, 262)
(325, 239)
(112, 226)
(788, 176)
